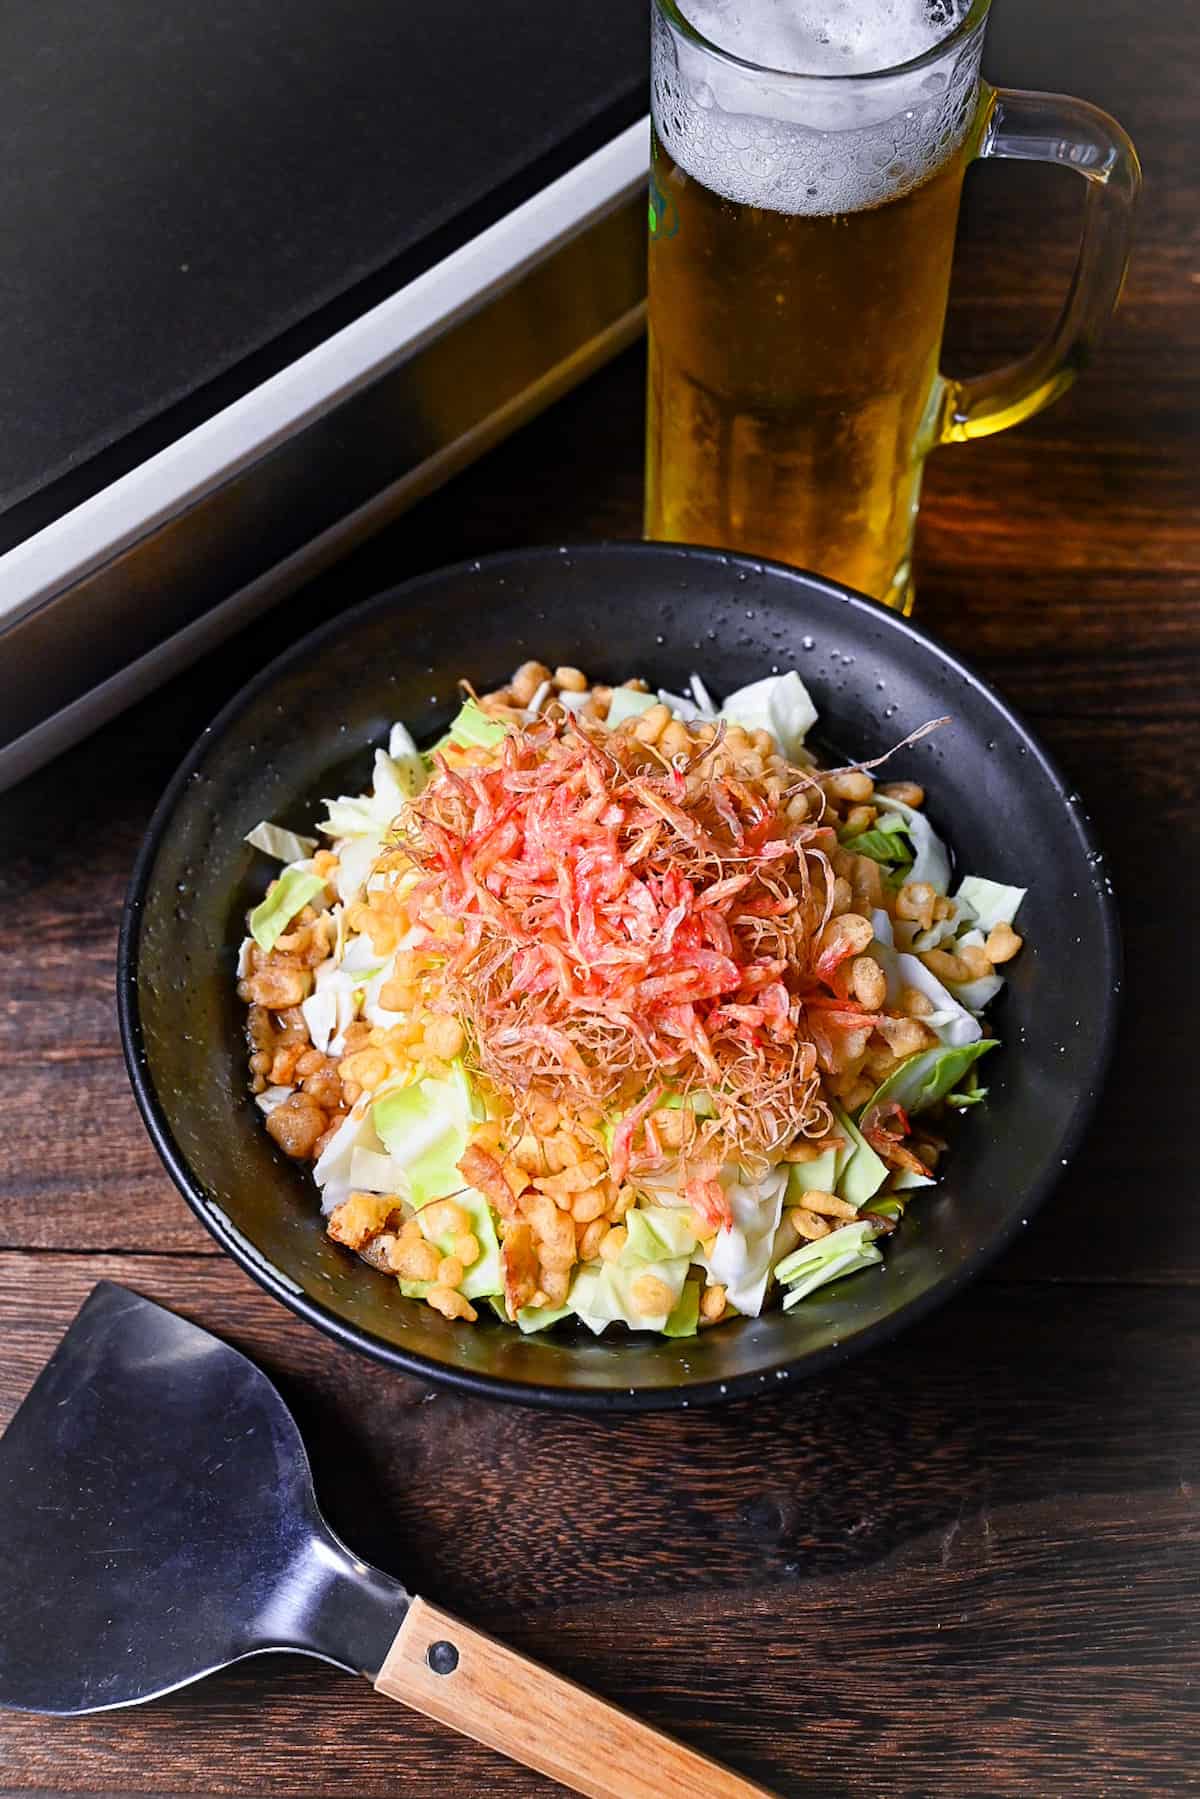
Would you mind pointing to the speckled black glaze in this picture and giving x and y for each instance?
(307, 727)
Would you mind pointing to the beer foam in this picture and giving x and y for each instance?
(762, 137)
(838, 37)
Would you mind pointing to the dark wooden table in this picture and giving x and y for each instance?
(967, 1563)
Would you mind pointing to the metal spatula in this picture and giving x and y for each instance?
(158, 1521)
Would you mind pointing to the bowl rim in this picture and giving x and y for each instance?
(657, 1397)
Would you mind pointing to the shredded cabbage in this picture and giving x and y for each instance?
(285, 846)
(814, 1265)
(949, 1020)
(819, 1176)
(602, 1293)
(890, 847)
(702, 696)
(290, 894)
(483, 1279)
(921, 1080)
(373, 1171)
(685, 1319)
(626, 703)
(943, 928)
(535, 1318)
(739, 1259)
(656, 1234)
(931, 860)
(863, 1173)
(425, 1128)
(780, 704)
(991, 902)
(272, 1097)
(331, 1007)
(332, 1170)
(473, 728)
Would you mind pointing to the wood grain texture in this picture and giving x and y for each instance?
(961, 1565)
(488, 1692)
(967, 1563)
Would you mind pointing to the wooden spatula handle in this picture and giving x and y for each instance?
(477, 1686)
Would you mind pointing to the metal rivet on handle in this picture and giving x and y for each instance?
(442, 1657)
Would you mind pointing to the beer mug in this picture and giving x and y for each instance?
(807, 162)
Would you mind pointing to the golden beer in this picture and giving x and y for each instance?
(807, 164)
(794, 372)
(800, 254)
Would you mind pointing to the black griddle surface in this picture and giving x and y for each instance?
(194, 191)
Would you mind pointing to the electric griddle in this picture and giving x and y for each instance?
(272, 269)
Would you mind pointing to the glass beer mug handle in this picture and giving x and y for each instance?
(1054, 128)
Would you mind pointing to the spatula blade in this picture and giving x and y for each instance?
(157, 1522)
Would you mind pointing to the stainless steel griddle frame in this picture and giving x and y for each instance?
(129, 587)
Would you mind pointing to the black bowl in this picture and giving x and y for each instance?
(307, 728)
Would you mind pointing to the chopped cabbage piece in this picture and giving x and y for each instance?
(535, 1318)
(950, 1020)
(604, 1293)
(739, 1258)
(923, 1079)
(656, 1234)
(991, 902)
(814, 1265)
(696, 1101)
(370, 815)
(332, 1006)
(685, 1319)
(702, 696)
(780, 704)
(931, 860)
(272, 1097)
(425, 1128)
(290, 894)
(975, 995)
(539, 700)
(890, 847)
(483, 1278)
(473, 728)
(944, 928)
(402, 747)
(285, 846)
(627, 703)
(815, 1177)
(395, 783)
(888, 1206)
(863, 1173)
(970, 1094)
(373, 1171)
(908, 1177)
(332, 1170)
(683, 707)
(357, 856)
